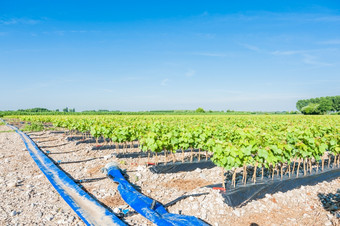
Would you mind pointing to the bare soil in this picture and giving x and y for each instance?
(26, 196)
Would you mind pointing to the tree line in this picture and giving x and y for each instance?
(319, 105)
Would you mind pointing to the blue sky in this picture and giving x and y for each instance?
(148, 55)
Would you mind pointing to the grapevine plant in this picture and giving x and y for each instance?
(279, 144)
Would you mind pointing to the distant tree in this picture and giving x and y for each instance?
(200, 110)
(302, 103)
(35, 110)
(65, 109)
(325, 105)
(336, 103)
(311, 109)
(57, 110)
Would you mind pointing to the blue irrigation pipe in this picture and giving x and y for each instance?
(87, 208)
(146, 206)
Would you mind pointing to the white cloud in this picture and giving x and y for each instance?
(106, 90)
(205, 13)
(165, 82)
(288, 53)
(133, 78)
(67, 32)
(312, 60)
(331, 42)
(13, 21)
(327, 18)
(305, 55)
(190, 73)
(78, 31)
(251, 47)
(206, 35)
(300, 52)
(211, 54)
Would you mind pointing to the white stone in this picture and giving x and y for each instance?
(140, 168)
(195, 206)
(198, 170)
(49, 217)
(116, 210)
(237, 213)
(106, 157)
(39, 176)
(11, 184)
(328, 223)
(330, 216)
(268, 195)
(219, 201)
(202, 175)
(39, 214)
(71, 219)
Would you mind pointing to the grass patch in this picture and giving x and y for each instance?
(33, 127)
(7, 131)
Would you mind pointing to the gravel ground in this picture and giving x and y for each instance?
(28, 198)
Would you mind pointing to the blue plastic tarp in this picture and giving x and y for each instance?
(142, 204)
(87, 208)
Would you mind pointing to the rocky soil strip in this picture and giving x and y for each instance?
(26, 196)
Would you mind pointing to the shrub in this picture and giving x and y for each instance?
(200, 110)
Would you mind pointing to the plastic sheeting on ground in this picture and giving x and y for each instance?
(143, 204)
(182, 167)
(241, 195)
(87, 208)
